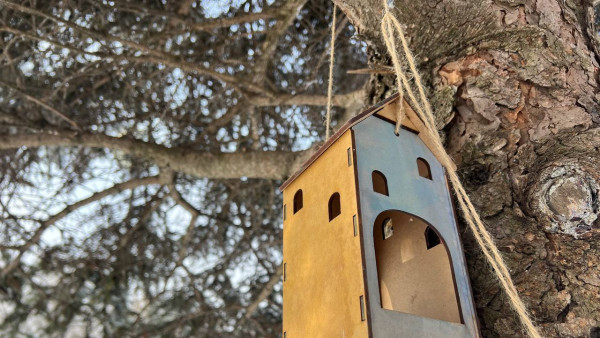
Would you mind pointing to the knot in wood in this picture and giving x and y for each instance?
(565, 199)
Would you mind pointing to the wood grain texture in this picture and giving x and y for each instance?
(412, 278)
(324, 277)
(411, 121)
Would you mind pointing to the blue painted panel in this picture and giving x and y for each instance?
(378, 148)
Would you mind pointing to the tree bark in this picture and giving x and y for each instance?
(515, 89)
(253, 164)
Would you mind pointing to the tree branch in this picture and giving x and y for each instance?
(226, 22)
(152, 56)
(263, 164)
(40, 103)
(184, 10)
(265, 292)
(290, 11)
(349, 101)
(70, 208)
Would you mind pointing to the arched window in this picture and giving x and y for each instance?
(431, 238)
(424, 169)
(379, 183)
(298, 201)
(334, 206)
(413, 278)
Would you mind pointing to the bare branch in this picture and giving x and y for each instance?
(152, 56)
(223, 120)
(265, 292)
(54, 43)
(185, 240)
(226, 22)
(263, 164)
(372, 70)
(184, 9)
(149, 208)
(290, 9)
(349, 100)
(70, 208)
(40, 103)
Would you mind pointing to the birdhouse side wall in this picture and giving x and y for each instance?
(324, 283)
(428, 200)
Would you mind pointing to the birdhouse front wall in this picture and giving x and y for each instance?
(323, 283)
(417, 282)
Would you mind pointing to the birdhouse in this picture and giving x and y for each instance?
(370, 242)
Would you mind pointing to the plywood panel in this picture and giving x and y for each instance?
(389, 112)
(324, 277)
(412, 278)
(412, 121)
(378, 148)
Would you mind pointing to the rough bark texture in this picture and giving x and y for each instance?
(515, 89)
(252, 164)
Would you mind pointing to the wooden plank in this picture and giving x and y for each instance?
(412, 121)
(324, 277)
(389, 113)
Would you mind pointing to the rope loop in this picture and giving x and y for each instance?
(330, 84)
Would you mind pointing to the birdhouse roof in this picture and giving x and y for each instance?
(386, 110)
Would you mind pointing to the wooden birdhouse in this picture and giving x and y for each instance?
(370, 242)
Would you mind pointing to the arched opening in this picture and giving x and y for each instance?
(424, 169)
(379, 183)
(334, 206)
(412, 277)
(298, 203)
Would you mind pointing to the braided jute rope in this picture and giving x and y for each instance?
(330, 84)
(389, 24)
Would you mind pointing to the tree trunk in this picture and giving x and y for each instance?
(515, 88)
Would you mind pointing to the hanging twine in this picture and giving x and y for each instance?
(330, 84)
(422, 107)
